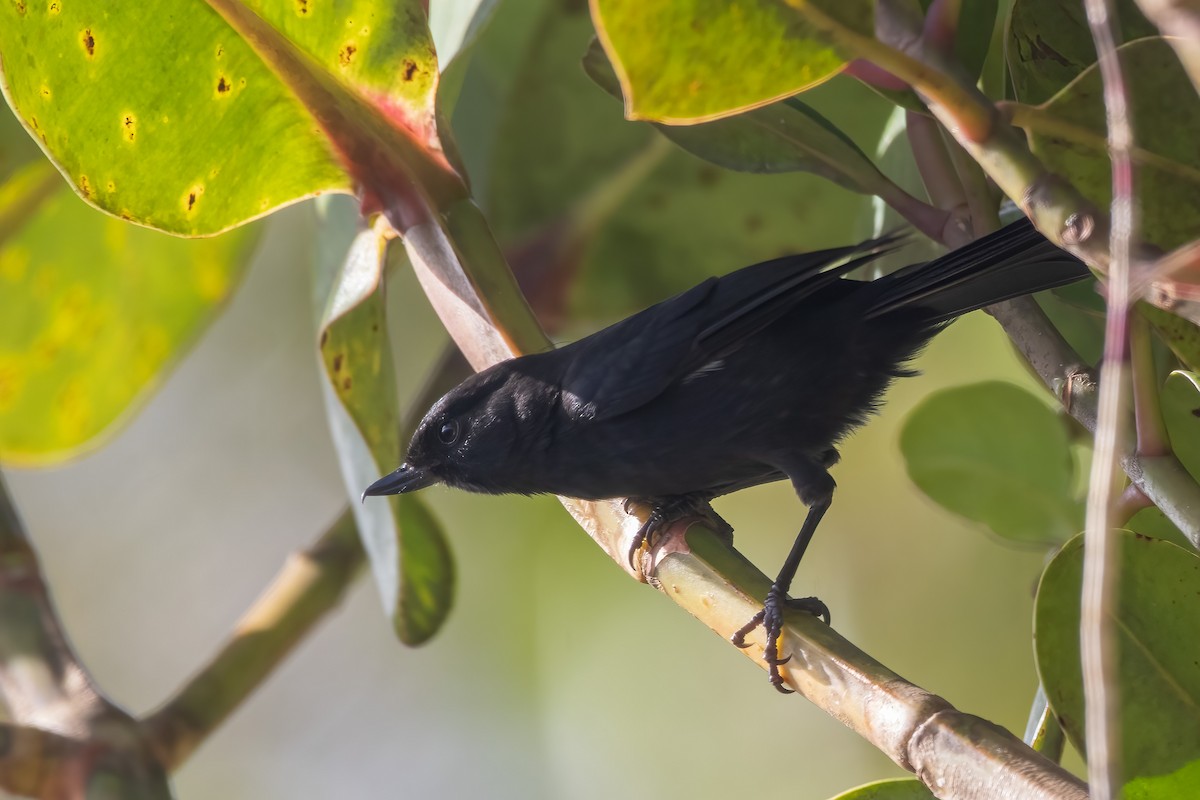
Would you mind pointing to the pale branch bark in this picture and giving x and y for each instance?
(958, 755)
(310, 585)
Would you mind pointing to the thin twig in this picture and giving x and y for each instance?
(1152, 437)
(1100, 564)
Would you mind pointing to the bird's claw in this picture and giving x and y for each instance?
(771, 618)
(739, 638)
(663, 512)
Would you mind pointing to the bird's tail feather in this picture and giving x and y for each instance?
(1014, 261)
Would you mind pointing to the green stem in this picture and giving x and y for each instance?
(1152, 438)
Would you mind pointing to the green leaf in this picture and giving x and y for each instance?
(1068, 133)
(1180, 400)
(1181, 335)
(1049, 43)
(1077, 311)
(409, 555)
(1155, 621)
(685, 61)
(194, 118)
(94, 312)
(995, 454)
(585, 191)
(893, 789)
(787, 136)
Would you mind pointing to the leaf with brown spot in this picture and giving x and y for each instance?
(409, 556)
(312, 113)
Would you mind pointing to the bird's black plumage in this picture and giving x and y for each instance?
(747, 378)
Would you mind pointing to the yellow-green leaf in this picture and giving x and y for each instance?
(685, 61)
(194, 118)
(93, 312)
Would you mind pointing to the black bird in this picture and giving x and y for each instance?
(743, 379)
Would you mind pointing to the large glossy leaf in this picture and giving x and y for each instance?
(695, 60)
(582, 189)
(1154, 622)
(995, 454)
(409, 556)
(93, 311)
(1049, 43)
(193, 118)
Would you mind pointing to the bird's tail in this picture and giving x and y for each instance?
(1014, 261)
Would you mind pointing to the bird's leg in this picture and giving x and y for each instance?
(817, 494)
(665, 510)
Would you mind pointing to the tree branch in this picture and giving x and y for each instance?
(310, 585)
(51, 698)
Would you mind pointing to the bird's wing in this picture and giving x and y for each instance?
(749, 300)
(630, 363)
(627, 364)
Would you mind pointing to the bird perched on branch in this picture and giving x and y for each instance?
(744, 379)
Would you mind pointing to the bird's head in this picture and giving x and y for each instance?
(474, 438)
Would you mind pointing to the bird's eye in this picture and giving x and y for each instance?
(448, 433)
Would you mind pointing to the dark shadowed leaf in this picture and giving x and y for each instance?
(1049, 43)
(1068, 133)
(634, 216)
(995, 454)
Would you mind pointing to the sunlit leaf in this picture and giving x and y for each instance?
(93, 313)
(894, 789)
(194, 118)
(697, 60)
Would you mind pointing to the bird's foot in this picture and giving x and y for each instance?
(664, 511)
(771, 618)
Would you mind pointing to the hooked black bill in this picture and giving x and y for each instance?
(404, 480)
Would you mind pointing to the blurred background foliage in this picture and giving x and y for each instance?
(157, 541)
